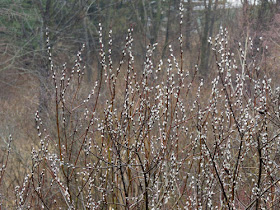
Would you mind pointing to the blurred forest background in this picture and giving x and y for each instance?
(23, 23)
(24, 67)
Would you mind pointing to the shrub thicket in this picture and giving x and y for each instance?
(152, 139)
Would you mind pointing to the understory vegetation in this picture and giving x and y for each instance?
(157, 134)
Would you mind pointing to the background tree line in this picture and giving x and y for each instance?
(24, 24)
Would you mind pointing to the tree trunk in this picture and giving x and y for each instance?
(210, 17)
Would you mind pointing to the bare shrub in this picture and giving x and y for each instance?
(148, 140)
